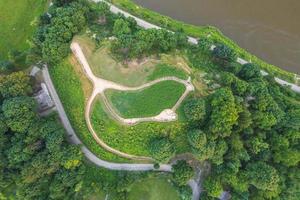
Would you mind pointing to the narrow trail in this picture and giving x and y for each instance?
(100, 85)
(72, 138)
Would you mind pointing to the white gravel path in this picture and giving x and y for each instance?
(100, 85)
(194, 184)
(75, 140)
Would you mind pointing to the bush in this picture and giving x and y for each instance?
(6, 66)
(195, 110)
(182, 172)
(197, 139)
(249, 71)
(161, 149)
(224, 53)
(156, 166)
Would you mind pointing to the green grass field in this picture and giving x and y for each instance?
(135, 139)
(147, 102)
(153, 189)
(17, 23)
(134, 73)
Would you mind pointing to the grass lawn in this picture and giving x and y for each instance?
(153, 189)
(147, 102)
(73, 89)
(134, 73)
(17, 23)
(135, 139)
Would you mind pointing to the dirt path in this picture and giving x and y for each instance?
(100, 85)
(193, 183)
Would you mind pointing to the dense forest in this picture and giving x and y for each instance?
(247, 128)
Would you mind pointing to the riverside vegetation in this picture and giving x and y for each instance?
(244, 125)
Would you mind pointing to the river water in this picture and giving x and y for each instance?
(270, 29)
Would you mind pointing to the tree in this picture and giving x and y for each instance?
(233, 67)
(19, 113)
(223, 112)
(195, 110)
(262, 176)
(292, 118)
(220, 149)
(182, 172)
(6, 66)
(181, 39)
(213, 187)
(245, 119)
(62, 2)
(204, 44)
(121, 27)
(3, 126)
(206, 152)
(257, 144)
(53, 39)
(197, 139)
(15, 84)
(224, 53)
(266, 111)
(161, 149)
(250, 71)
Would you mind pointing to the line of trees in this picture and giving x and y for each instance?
(36, 162)
(248, 130)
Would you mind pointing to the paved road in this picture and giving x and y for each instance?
(144, 24)
(75, 140)
(194, 184)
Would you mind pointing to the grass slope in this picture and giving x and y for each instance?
(17, 23)
(135, 139)
(153, 189)
(148, 102)
(73, 88)
(134, 73)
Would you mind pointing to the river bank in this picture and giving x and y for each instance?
(200, 31)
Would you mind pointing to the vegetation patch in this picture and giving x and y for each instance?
(133, 73)
(136, 139)
(153, 189)
(70, 81)
(18, 22)
(147, 102)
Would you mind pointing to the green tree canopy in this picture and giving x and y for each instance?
(161, 149)
(194, 110)
(224, 53)
(15, 84)
(262, 176)
(182, 172)
(223, 112)
(197, 139)
(19, 113)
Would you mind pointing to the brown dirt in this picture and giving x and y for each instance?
(86, 84)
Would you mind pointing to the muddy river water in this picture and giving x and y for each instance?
(270, 29)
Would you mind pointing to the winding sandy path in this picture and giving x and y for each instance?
(100, 85)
